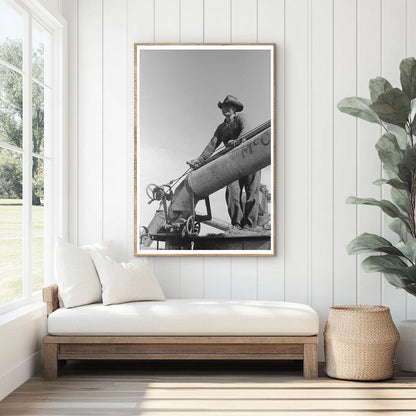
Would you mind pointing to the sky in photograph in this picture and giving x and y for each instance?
(178, 113)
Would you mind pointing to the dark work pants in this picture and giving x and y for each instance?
(244, 212)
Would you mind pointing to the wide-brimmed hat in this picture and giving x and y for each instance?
(231, 100)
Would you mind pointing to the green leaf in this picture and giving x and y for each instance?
(411, 289)
(410, 272)
(381, 263)
(395, 183)
(390, 173)
(359, 107)
(410, 158)
(366, 243)
(412, 109)
(397, 280)
(400, 198)
(400, 228)
(398, 184)
(378, 86)
(408, 77)
(396, 271)
(389, 151)
(404, 173)
(392, 107)
(388, 207)
(408, 249)
(401, 139)
(380, 182)
(412, 115)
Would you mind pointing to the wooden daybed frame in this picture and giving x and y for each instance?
(58, 349)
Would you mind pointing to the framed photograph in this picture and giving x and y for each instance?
(204, 150)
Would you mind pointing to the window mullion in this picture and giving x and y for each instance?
(27, 157)
(12, 67)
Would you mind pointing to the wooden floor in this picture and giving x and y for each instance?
(191, 389)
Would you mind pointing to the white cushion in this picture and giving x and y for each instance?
(181, 317)
(75, 273)
(103, 247)
(126, 282)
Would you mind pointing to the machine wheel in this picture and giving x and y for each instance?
(151, 190)
(158, 193)
(192, 227)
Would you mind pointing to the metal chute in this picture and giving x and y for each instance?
(176, 221)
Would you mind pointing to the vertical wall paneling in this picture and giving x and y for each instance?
(192, 21)
(296, 152)
(192, 278)
(411, 28)
(393, 51)
(321, 148)
(411, 51)
(191, 31)
(114, 124)
(167, 21)
(217, 24)
(167, 29)
(244, 278)
(271, 29)
(369, 167)
(70, 11)
(217, 278)
(217, 19)
(244, 21)
(393, 38)
(90, 128)
(140, 21)
(168, 272)
(244, 30)
(345, 151)
(326, 50)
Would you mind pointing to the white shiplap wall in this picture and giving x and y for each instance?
(326, 50)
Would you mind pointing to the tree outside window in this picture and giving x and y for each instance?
(11, 126)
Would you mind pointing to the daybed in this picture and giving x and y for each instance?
(181, 329)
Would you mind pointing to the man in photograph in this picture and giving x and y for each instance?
(243, 212)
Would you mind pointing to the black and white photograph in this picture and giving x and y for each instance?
(204, 150)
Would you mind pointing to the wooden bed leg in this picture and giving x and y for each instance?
(310, 360)
(50, 360)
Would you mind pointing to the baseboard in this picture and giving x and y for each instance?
(10, 380)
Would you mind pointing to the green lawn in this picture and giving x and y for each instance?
(11, 249)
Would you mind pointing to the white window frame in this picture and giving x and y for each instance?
(58, 211)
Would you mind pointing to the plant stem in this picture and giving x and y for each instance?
(412, 196)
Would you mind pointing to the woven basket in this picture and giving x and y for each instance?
(360, 341)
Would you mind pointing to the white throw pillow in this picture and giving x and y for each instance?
(126, 282)
(75, 273)
(103, 247)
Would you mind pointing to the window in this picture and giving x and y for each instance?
(31, 140)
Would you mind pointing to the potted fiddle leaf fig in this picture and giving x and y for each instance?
(394, 109)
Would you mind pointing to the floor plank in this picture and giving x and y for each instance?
(216, 388)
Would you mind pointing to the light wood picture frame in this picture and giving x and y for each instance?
(204, 143)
